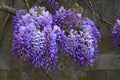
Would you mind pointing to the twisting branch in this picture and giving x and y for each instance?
(2, 1)
(4, 24)
(89, 4)
(6, 19)
(7, 9)
(36, 2)
(27, 4)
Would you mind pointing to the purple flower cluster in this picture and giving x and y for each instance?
(116, 35)
(44, 49)
(64, 17)
(35, 38)
(39, 36)
(23, 32)
(80, 34)
(84, 44)
(52, 4)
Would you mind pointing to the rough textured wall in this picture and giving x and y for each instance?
(106, 67)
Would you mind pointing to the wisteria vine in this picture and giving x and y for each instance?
(40, 36)
(116, 35)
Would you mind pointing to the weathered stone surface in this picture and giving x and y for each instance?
(113, 75)
(3, 75)
(67, 71)
(3, 65)
(97, 75)
(103, 75)
(107, 62)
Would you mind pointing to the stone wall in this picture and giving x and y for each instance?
(106, 67)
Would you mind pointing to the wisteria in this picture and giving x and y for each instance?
(35, 38)
(64, 17)
(84, 47)
(116, 35)
(81, 35)
(53, 5)
(22, 35)
(44, 49)
(39, 36)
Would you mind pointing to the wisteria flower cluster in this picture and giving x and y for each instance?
(81, 36)
(116, 35)
(53, 5)
(39, 36)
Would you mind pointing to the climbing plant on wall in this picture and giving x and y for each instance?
(41, 33)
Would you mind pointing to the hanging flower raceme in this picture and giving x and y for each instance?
(81, 36)
(23, 30)
(63, 19)
(35, 39)
(53, 5)
(84, 43)
(116, 35)
(39, 36)
(45, 46)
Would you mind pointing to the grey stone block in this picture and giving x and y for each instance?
(114, 75)
(97, 75)
(3, 75)
(107, 62)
